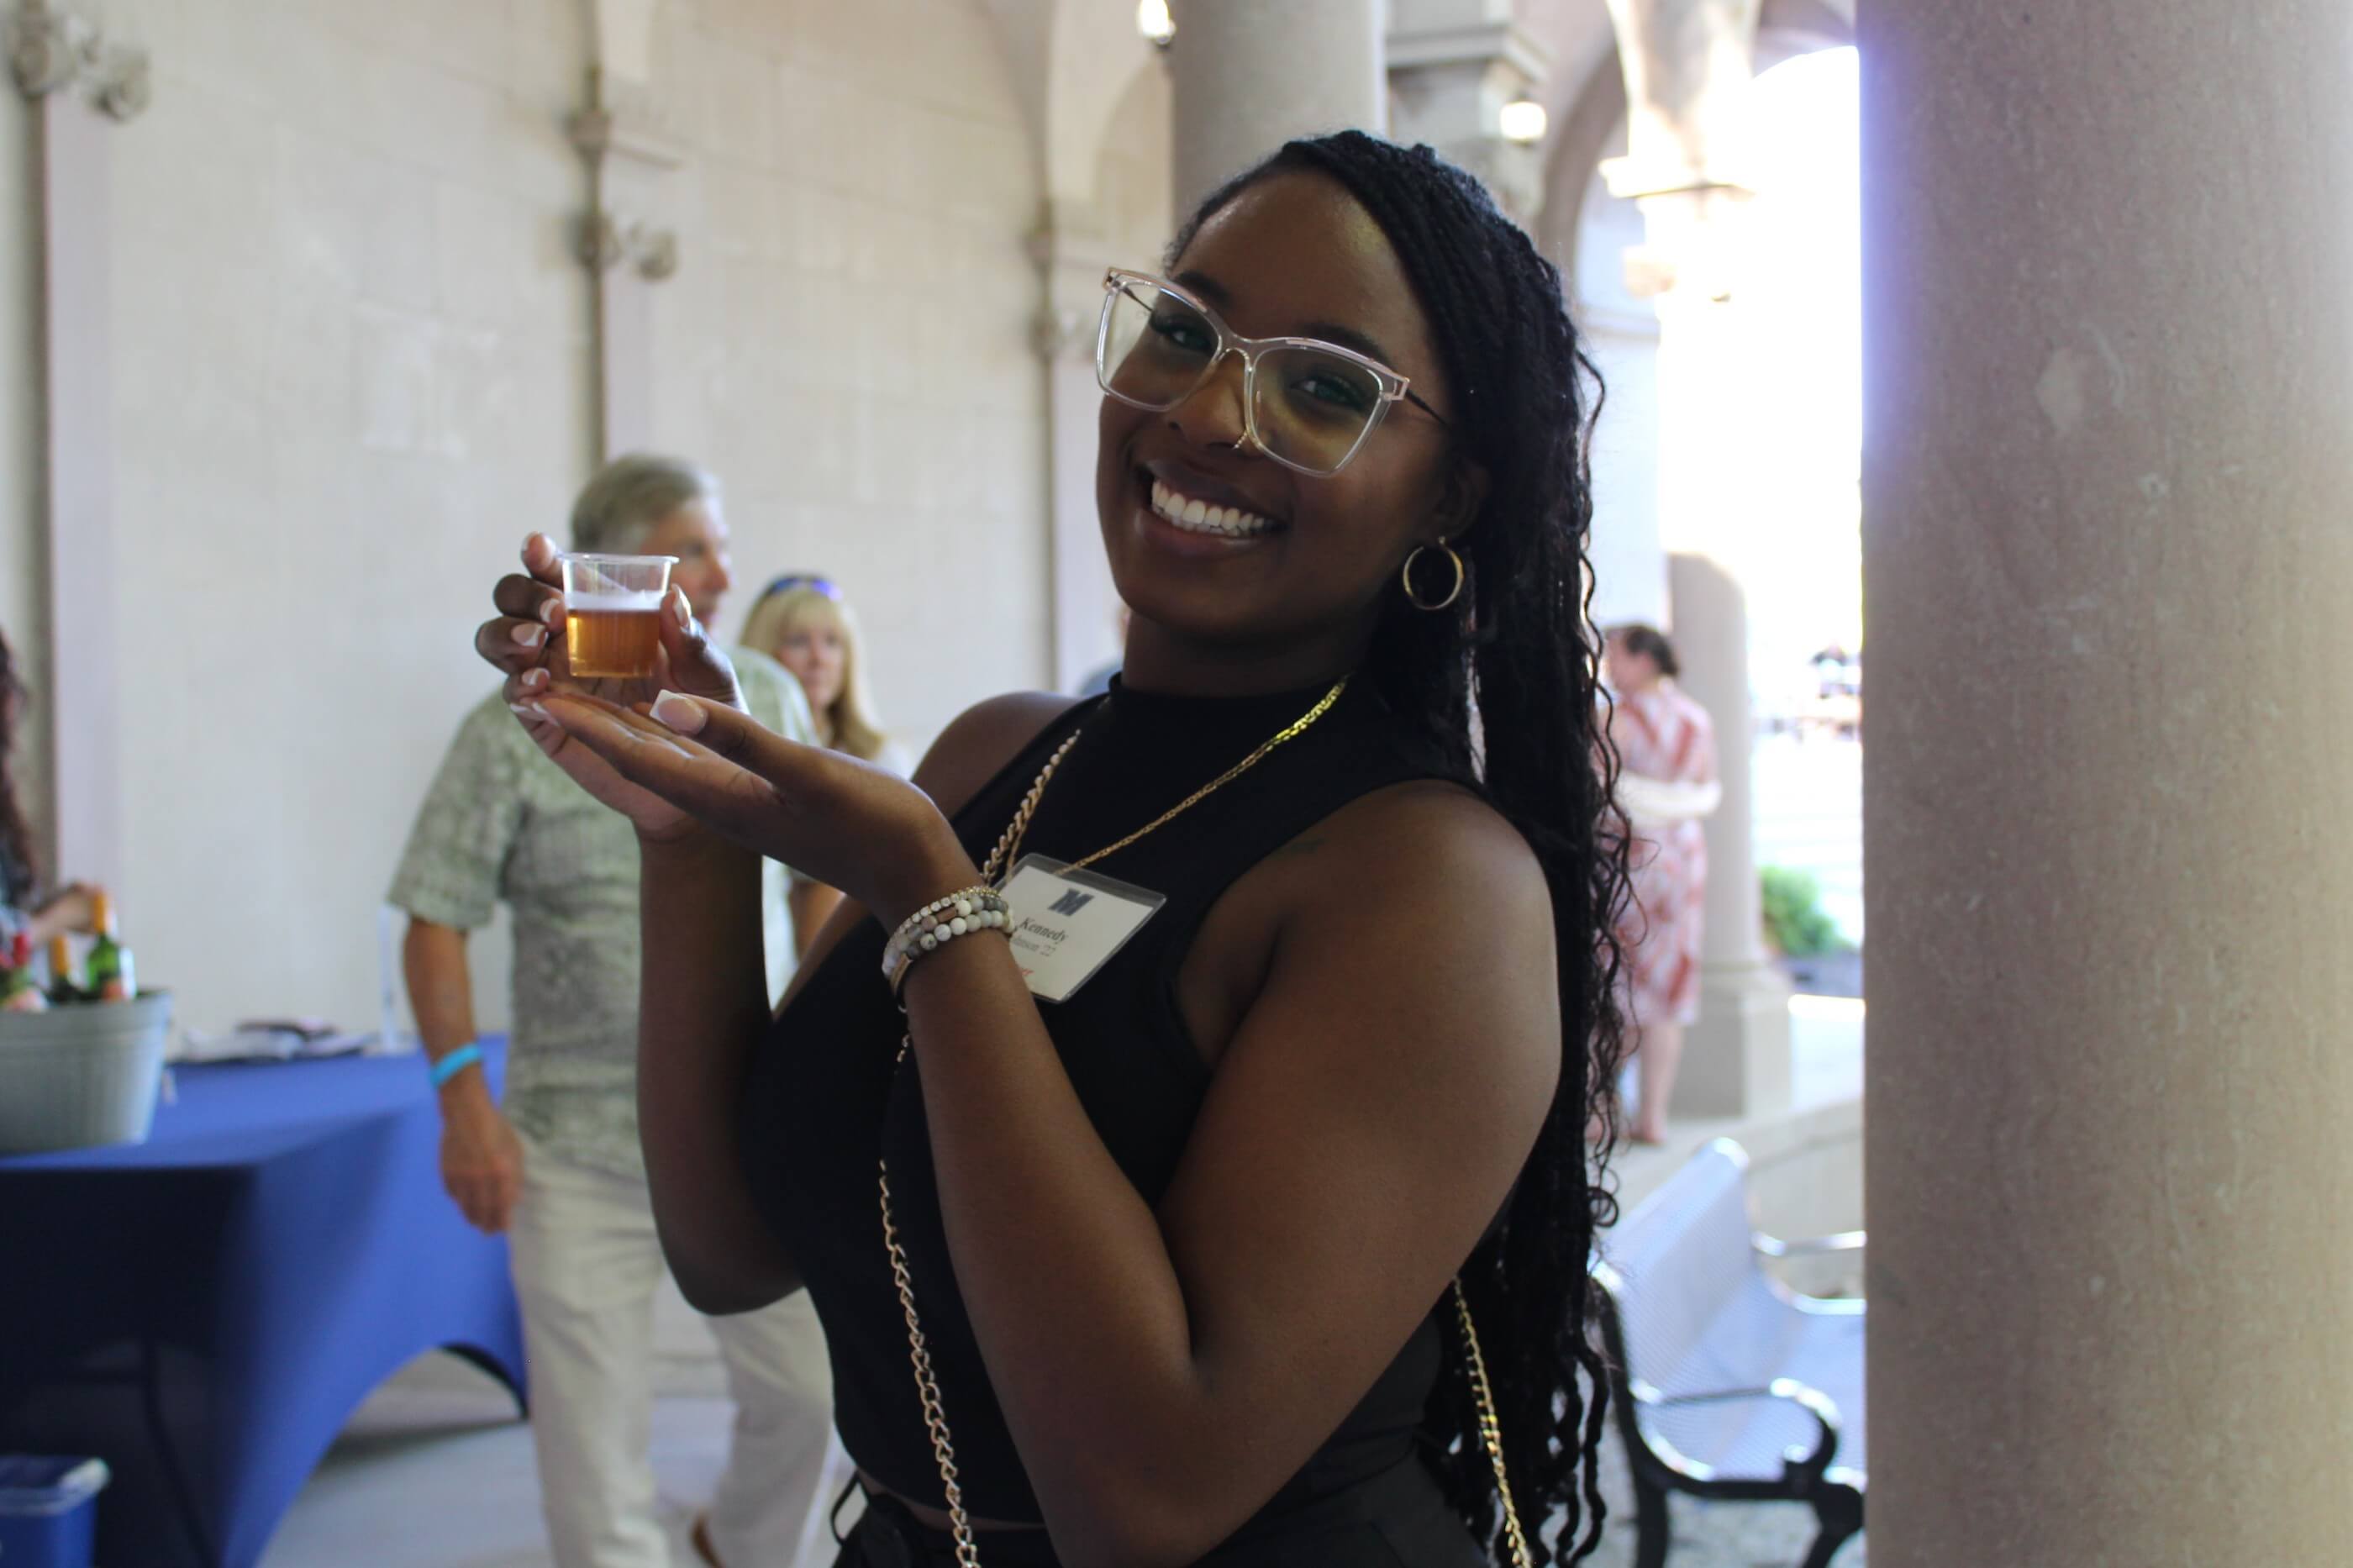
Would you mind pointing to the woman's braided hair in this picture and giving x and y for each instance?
(1519, 651)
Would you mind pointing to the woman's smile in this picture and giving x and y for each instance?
(1183, 510)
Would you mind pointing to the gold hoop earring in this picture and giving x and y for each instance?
(1452, 594)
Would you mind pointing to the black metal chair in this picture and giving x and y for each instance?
(1729, 1385)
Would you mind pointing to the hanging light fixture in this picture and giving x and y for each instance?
(1152, 20)
(1523, 121)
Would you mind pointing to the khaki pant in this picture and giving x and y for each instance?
(587, 1267)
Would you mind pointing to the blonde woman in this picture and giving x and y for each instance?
(803, 622)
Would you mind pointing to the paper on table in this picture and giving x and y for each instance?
(270, 1040)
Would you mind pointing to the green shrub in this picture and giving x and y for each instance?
(1795, 920)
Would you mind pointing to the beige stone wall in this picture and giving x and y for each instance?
(847, 340)
(350, 363)
(1132, 175)
(348, 360)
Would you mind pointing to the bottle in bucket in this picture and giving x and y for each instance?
(612, 614)
(19, 992)
(63, 988)
(110, 977)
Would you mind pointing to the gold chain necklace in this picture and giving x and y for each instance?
(927, 1388)
(1009, 843)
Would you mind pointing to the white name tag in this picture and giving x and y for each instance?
(1067, 923)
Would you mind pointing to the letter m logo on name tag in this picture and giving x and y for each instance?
(1070, 903)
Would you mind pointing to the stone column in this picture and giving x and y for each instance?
(1736, 1057)
(1453, 66)
(1251, 75)
(627, 248)
(1072, 253)
(1687, 63)
(2109, 371)
(80, 85)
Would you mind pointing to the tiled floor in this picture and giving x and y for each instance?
(436, 1472)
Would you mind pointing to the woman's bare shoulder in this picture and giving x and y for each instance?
(981, 740)
(1431, 841)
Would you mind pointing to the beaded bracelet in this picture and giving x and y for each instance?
(936, 924)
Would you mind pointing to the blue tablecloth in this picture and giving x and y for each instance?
(205, 1310)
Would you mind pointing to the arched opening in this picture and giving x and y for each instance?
(1791, 427)
(1801, 292)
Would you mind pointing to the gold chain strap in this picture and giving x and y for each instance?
(1016, 830)
(927, 1387)
(1491, 1429)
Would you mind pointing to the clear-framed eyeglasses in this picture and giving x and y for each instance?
(1307, 403)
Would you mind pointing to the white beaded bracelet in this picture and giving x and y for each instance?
(939, 922)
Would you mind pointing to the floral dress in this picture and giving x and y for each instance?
(1663, 737)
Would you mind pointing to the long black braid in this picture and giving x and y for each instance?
(1520, 650)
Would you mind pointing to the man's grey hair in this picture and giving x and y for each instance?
(629, 495)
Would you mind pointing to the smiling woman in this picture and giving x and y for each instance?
(1199, 1201)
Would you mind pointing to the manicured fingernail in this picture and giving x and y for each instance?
(548, 609)
(531, 637)
(531, 711)
(679, 610)
(534, 679)
(681, 713)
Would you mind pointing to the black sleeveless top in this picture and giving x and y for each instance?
(825, 1099)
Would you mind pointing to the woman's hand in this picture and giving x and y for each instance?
(831, 818)
(526, 641)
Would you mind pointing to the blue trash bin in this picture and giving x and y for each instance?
(48, 1511)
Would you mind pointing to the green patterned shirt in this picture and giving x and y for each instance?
(501, 821)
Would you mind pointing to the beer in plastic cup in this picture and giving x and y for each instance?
(612, 613)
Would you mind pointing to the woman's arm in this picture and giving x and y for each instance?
(702, 1010)
(1661, 803)
(1164, 1373)
(701, 1005)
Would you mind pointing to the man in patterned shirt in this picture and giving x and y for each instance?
(558, 1165)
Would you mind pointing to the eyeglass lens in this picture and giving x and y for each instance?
(1311, 408)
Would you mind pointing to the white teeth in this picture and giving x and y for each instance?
(1200, 517)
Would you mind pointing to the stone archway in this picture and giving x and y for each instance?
(1586, 99)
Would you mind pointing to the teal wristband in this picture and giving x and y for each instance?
(456, 1062)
